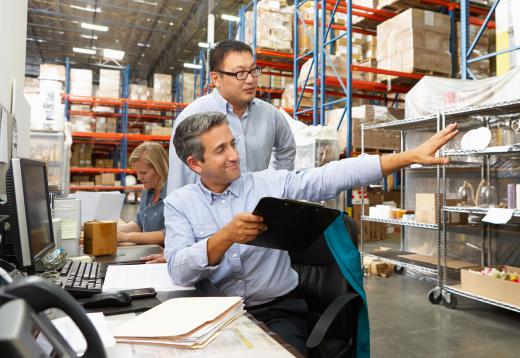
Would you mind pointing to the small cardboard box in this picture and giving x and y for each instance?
(158, 130)
(100, 238)
(106, 179)
(491, 287)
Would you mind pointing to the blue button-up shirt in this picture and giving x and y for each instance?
(260, 132)
(193, 213)
(150, 215)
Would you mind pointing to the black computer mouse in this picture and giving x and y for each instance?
(109, 299)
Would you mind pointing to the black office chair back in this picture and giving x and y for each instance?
(321, 282)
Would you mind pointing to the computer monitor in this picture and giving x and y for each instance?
(30, 235)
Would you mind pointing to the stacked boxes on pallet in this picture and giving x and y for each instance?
(415, 41)
(47, 108)
(109, 81)
(162, 87)
(274, 26)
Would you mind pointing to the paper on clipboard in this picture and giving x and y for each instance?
(103, 205)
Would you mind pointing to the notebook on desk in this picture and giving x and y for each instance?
(291, 225)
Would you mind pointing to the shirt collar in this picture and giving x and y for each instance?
(227, 107)
(233, 189)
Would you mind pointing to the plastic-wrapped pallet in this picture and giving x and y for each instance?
(52, 72)
(274, 26)
(139, 92)
(162, 87)
(80, 82)
(431, 94)
(188, 87)
(109, 81)
(415, 41)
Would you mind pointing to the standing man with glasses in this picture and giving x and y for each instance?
(259, 128)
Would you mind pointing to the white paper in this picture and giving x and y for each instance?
(128, 277)
(73, 335)
(103, 205)
(4, 143)
(498, 216)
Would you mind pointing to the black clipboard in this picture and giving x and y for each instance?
(291, 225)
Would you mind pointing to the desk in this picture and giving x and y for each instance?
(245, 336)
(240, 339)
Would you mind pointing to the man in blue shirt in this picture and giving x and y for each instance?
(208, 222)
(259, 128)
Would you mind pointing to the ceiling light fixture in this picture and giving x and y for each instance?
(94, 27)
(85, 51)
(230, 18)
(140, 44)
(113, 54)
(171, 23)
(88, 8)
(192, 66)
(90, 37)
(146, 2)
(203, 44)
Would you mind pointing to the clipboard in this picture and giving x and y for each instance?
(291, 225)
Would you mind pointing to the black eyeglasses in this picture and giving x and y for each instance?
(242, 75)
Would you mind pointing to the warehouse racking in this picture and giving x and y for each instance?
(120, 142)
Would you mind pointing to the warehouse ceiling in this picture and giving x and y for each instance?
(157, 36)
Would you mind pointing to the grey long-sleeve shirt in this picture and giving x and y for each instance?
(260, 132)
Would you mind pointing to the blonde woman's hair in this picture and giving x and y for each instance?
(154, 155)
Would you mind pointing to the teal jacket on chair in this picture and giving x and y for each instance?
(349, 261)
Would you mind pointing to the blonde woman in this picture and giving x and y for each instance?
(150, 162)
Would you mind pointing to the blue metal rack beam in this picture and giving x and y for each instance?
(466, 52)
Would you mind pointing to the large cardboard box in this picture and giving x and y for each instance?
(100, 238)
(52, 72)
(491, 287)
(426, 209)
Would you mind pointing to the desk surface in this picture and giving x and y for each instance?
(244, 336)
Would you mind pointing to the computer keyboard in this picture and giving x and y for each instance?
(82, 279)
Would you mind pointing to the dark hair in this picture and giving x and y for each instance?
(219, 52)
(186, 139)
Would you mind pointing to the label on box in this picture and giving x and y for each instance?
(428, 18)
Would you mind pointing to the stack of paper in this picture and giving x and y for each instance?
(190, 322)
(129, 277)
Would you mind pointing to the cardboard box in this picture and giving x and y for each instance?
(379, 268)
(106, 179)
(164, 131)
(100, 238)
(426, 209)
(491, 287)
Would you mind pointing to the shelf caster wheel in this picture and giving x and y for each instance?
(435, 296)
(449, 301)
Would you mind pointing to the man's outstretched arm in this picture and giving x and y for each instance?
(423, 154)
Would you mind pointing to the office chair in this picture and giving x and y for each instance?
(333, 305)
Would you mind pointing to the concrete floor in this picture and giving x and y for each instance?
(404, 323)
